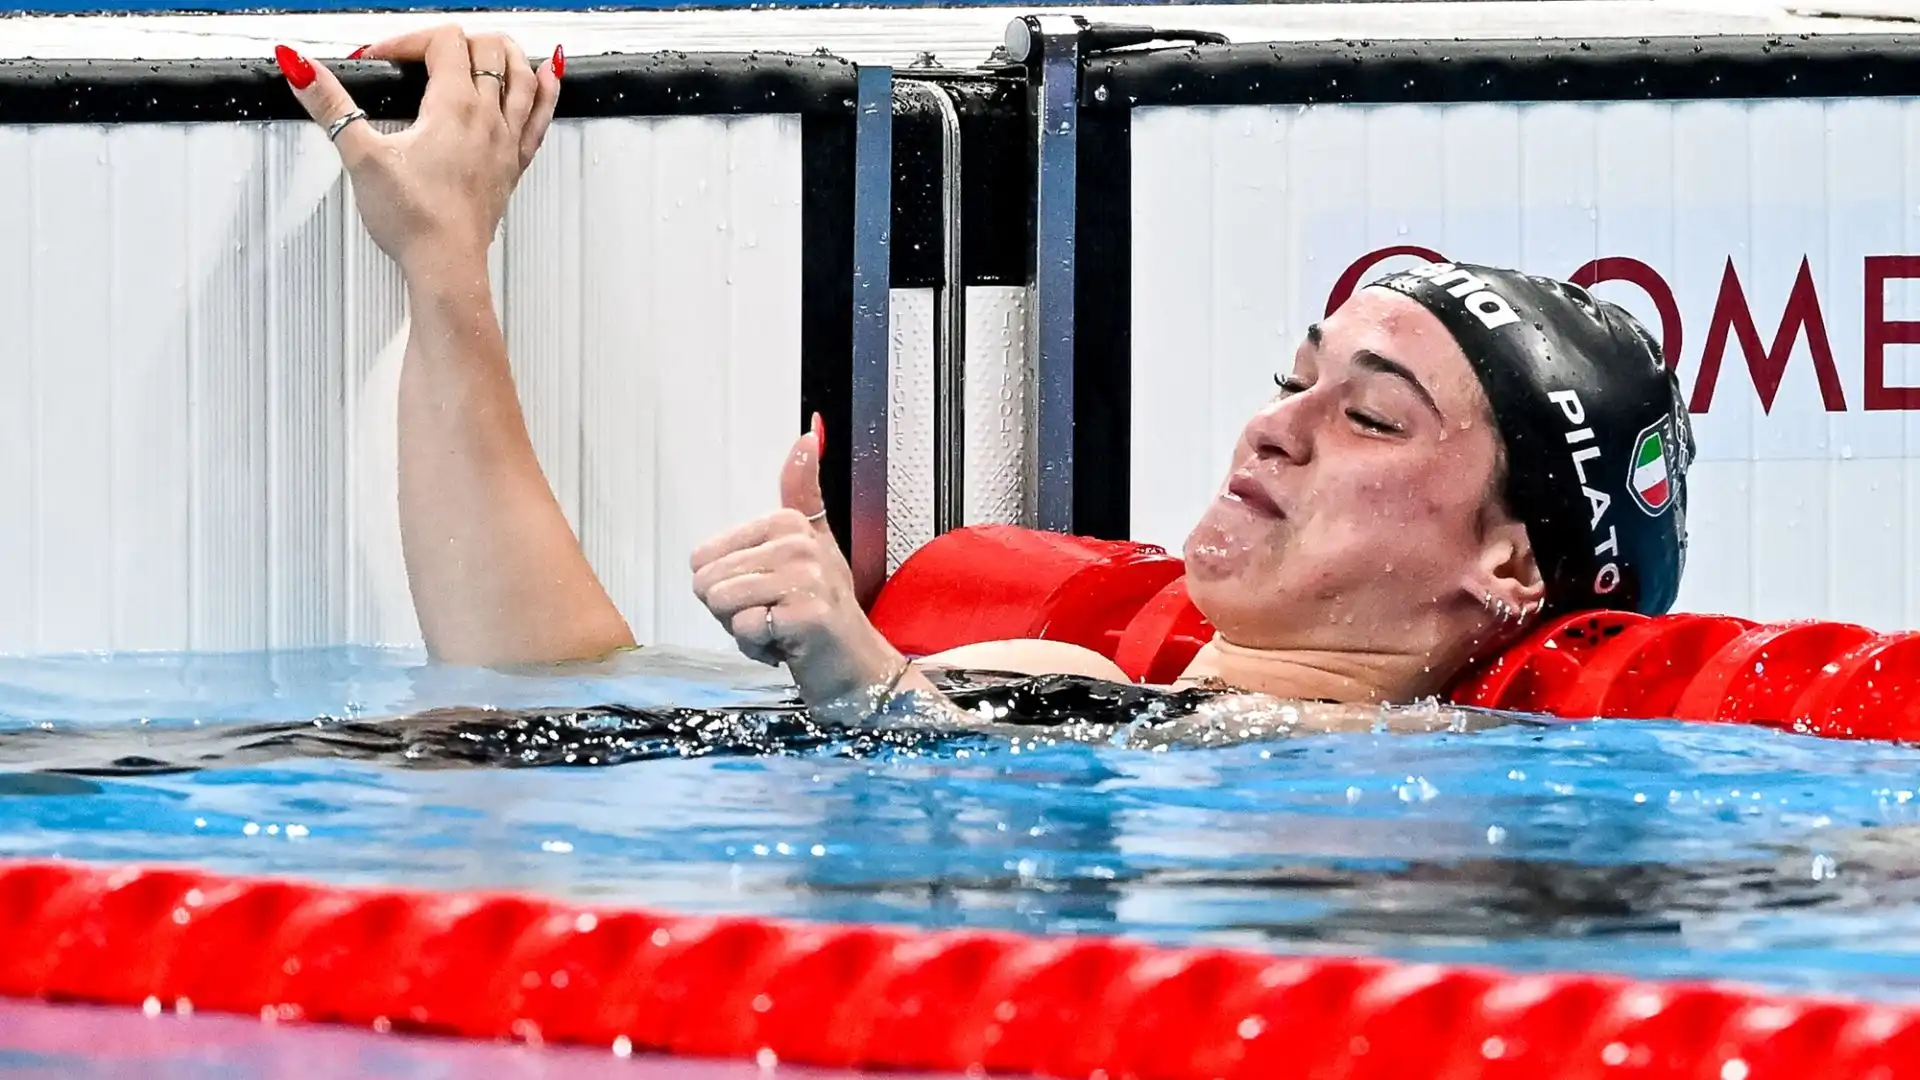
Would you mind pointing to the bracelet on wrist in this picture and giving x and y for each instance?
(866, 702)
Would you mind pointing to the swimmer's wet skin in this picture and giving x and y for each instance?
(1456, 451)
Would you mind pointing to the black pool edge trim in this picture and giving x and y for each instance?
(614, 84)
(996, 169)
(1437, 70)
(1103, 327)
(1358, 71)
(826, 304)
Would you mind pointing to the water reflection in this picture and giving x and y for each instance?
(79, 1042)
(1647, 848)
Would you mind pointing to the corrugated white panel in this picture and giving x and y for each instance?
(910, 424)
(996, 475)
(19, 597)
(70, 335)
(379, 607)
(1867, 519)
(721, 269)
(197, 403)
(1712, 141)
(999, 422)
(1802, 505)
(1902, 301)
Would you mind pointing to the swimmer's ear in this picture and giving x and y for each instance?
(800, 477)
(1507, 571)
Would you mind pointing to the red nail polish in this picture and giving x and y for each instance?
(359, 52)
(819, 435)
(294, 67)
(559, 62)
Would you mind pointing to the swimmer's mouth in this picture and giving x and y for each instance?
(1244, 489)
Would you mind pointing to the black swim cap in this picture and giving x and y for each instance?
(1596, 432)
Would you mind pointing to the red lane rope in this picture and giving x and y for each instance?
(503, 966)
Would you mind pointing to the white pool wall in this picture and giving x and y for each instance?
(196, 393)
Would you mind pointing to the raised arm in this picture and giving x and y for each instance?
(498, 576)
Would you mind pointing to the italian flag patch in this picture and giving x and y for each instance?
(1650, 483)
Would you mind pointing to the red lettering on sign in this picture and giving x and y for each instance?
(1880, 333)
(1730, 311)
(1648, 280)
(1350, 280)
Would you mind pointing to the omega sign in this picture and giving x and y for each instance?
(1732, 327)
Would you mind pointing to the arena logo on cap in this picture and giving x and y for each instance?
(1475, 292)
(1650, 473)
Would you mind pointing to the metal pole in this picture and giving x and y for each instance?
(1054, 41)
(950, 326)
(872, 280)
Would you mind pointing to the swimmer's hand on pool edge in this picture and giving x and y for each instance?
(426, 196)
(497, 575)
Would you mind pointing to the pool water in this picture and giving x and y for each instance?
(1647, 849)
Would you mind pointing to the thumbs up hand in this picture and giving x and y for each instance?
(781, 587)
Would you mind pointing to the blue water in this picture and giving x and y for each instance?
(1650, 849)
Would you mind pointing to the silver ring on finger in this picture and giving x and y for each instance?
(499, 80)
(334, 129)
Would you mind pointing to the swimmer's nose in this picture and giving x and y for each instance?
(1284, 429)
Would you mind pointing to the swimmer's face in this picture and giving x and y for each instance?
(1362, 511)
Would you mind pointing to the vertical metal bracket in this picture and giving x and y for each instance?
(1050, 47)
(950, 327)
(872, 280)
